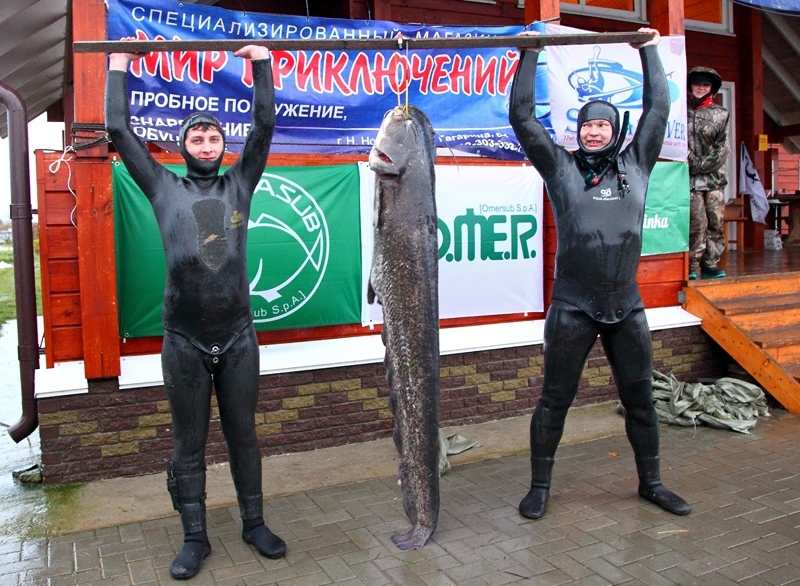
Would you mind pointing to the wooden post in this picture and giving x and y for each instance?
(666, 16)
(95, 214)
(751, 103)
(383, 10)
(541, 10)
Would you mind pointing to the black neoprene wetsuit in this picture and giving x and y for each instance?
(209, 335)
(599, 235)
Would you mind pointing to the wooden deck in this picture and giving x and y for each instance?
(760, 262)
(754, 315)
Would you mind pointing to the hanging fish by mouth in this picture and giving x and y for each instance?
(404, 279)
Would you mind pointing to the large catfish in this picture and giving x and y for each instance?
(405, 279)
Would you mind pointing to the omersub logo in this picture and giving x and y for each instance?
(289, 234)
(504, 236)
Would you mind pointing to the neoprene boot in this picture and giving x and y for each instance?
(650, 487)
(188, 490)
(547, 426)
(534, 504)
(255, 531)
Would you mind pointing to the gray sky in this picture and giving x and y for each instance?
(41, 135)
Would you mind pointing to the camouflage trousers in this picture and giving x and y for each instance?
(706, 235)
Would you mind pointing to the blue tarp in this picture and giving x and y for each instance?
(780, 5)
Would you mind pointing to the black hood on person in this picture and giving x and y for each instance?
(195, 168)
(595, 163)
(599, 110)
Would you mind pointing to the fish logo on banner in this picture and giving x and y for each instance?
(603, 79)
(750, 183)
(290, 233)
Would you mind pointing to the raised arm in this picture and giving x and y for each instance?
(649, 136)
(251, 162)
(540, 149)
(144, 170)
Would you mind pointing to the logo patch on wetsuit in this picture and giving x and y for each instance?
(237, 219)
(605, 195)
(211, 242)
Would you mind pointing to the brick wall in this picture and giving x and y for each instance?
(111, 432)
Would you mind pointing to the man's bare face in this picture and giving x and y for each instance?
(595, 134)
(204, 145)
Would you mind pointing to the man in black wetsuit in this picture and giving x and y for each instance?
(597, 194)
(208, 326)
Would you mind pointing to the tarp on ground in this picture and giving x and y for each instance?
(729, 403)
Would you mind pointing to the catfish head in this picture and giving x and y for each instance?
(405, 140)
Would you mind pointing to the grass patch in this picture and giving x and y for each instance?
(8, 299)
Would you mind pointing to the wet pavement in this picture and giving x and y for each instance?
(23, 505)
(744, 527)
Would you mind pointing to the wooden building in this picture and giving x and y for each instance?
(115, 421)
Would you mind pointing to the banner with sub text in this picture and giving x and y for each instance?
(303, 250)
(578, 74)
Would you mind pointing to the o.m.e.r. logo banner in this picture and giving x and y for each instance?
(303, 250)
(490, 240)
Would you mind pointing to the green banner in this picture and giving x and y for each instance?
(666, 211)
(303, 250)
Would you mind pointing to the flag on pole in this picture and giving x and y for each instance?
(750, 184)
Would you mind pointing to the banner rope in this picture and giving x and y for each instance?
(54, 168)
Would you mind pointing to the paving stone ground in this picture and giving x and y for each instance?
(744, 527)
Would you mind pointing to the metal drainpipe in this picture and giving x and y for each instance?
(24, 282)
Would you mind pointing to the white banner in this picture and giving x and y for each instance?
(750, 183)
(490, 240)
(577, 74)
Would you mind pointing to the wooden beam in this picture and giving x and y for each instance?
(383, 10)
(783, 74)
(95, 211)
(538, 10)
(785, 29)
(360, 44)
(97, 269)
(750, 100)
(666, 16)
(781, 133)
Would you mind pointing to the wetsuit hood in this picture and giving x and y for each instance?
(195, 168)
(596, 163)
(599, 110)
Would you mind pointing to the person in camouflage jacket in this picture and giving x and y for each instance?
(707, 133)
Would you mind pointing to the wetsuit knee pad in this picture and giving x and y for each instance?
(637, 399)
(548, 415)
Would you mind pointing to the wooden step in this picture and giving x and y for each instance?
(777, 337)
(717, 290)
(789, 354)
(774, 359)
(759, 304)
(767, 319)
(793, 368)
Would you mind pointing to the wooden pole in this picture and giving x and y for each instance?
(95, 206)
(542, 10)
(533, 42)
